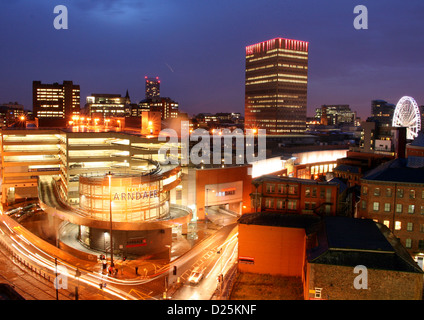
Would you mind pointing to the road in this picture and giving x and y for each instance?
(215, 260)
(27, 252)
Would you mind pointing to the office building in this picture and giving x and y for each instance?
(152, 87)
(335, 115)
(55, 104)
(11, 114)
(276, 86)
(165, 105)
(106, 105)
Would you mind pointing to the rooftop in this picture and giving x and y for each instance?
(397, 170)
(350, 242)
(276, 219)
(270, 178)
(418, 141)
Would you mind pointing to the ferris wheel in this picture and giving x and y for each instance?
(407, 114)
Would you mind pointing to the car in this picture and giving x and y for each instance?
(196, 275)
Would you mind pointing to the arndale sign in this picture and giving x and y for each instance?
(137, 194)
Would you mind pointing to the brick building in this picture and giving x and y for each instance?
(393, 194)
(343, 244)
(324, 251)
(293, 195)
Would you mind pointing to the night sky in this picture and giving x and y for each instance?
(197, 49)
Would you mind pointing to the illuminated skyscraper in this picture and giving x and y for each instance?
(152, 87)
(55, 101)
(276, 86)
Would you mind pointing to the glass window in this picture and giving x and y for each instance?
(292, 204)
(409, 226)
(398, 208)
(399, 193)
(270, 188)
(364, 204)
(398, 225)
(364, 190)
(411, 208)
(386, 223)
(377, 192)
(269, 203)
(280, 204)
(421, 244)
(307, 192)
(411, 194)
(387, 207)
(408, 243)
(376, 206)
(388, 192)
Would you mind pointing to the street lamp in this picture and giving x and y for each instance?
(109, 175)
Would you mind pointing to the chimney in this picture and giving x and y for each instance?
(399, 141)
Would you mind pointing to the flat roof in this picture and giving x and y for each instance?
(345, 241)
(277, 219)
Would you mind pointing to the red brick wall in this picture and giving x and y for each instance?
(337, 283)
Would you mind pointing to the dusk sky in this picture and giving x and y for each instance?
(197, 49)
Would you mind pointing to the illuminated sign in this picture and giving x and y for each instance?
(137, 193)
(226, 192)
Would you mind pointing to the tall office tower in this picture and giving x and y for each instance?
(276, 86)
(55, 101)
(152, 87)
(382, 111)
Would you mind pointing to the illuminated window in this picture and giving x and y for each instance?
(307, 192)
(411, 208)
(386, 223)
(409, 226)
(411, 194)
(292, 205)
(377, 192)
(270, 188)
(398, 208)
(398, 225)
(318, 293)
(376, 206)
(269, 203)
(399, 193)
(365, 190)
(408, 243)
(387, 207)
(388, 192)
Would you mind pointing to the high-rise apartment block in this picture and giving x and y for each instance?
(276, 86)
(55, 101)
(152, 87)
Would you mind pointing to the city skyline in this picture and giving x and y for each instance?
(197, 49)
